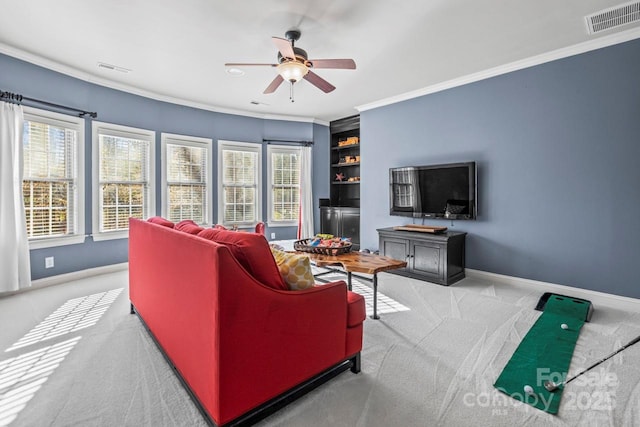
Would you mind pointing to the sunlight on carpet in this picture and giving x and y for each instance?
(386, 305)
(22, 376)
(75, 314)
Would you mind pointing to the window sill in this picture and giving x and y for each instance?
(282, 224)
(110, 235)
(56, 241)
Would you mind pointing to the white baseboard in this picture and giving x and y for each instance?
(597, 298)
(69, 277)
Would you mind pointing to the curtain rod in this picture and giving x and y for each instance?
(17, 98)
(287, 141)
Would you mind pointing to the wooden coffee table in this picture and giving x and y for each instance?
(358, 262)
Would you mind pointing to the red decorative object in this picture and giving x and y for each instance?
(229, 332)
(339, 176)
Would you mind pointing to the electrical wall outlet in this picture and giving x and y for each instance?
(48, 262)
(273, 235)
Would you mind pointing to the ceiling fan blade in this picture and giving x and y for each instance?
(284, 46)
(343, 64)
(319, 82)
(274, 84)
(244, 64)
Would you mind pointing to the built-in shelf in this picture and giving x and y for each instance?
(344, 161)
(344, 147)
(342, 217)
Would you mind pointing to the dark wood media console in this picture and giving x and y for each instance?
(437, 258)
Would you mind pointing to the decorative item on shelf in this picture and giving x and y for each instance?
(350, 159)
(354, 179)
(352, 140)
(340, 176)
(324, 246)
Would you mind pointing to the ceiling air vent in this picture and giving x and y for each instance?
(113, 67)
(613, 17)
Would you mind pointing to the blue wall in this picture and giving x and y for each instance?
(131, 110)
(559, 167)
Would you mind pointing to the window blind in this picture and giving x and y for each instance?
(239, 186)
(187, 182)
(285, 186)
(123, 180)
(49, 180)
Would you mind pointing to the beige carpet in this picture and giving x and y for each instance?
(72, 355)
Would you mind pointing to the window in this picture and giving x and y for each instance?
(123, 174)
(284, 185)
(238, 174)
(186, 167)
(53, 178)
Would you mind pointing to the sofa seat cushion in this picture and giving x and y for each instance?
(295, 269)
(356, 311)
(161, 221)
(252, 252)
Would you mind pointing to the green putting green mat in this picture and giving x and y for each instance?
(545, 354)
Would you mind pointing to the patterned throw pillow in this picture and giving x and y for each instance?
(276, 246)
(294, 268)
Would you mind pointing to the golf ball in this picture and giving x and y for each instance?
(528, 389)
(564, 326)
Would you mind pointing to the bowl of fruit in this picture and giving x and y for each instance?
(325, 244)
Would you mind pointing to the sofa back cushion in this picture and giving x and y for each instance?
(252, 252)
(209, 233)
(188, 226)
(161, 221)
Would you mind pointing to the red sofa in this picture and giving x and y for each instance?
(242, 348)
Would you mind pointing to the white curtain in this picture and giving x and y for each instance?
(305, 217)
(15, 269)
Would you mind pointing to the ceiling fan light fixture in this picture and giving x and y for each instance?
(292, 71)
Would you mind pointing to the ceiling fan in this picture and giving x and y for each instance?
(294, 65)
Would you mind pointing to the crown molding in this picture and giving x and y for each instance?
(294, 119)
(554, 55)
(90, 78)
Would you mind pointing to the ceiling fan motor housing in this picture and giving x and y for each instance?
(301, 55)
(292, 35)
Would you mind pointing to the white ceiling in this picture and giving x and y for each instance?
(176, 50)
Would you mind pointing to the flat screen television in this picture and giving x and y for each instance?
(434, 191)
